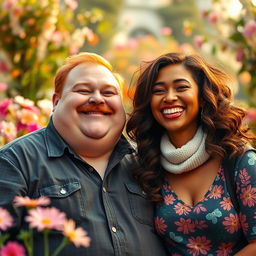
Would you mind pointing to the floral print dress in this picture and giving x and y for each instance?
(212, 227)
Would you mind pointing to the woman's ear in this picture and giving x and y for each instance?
(55, 100)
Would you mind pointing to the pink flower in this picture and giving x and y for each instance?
(6, 219)
(240, 55)
(251, 115)
(198, 245)
(244, 223)
(132, 43)
(75, 235)
(3, 67)
(46, 106)
(213, 17)
(4, 106)
(199, 208)
(181, 209)
(249, 29)
(57, 37)
(8, 130)
(165, 31)
(31, 203)
(216, 192)
(160, 225)
(13, 249)
(169, 199)
(248, 196)
(204, 13)
(26, 128)
(200, 224)
(27, 116)
(3, 87)
(225, 249)
(244, 176)
(226, 204)
(9, 4)
(231, 223)
(72, 4)
(23, 102)
(198, 41)
(45, 218)
(185, 226)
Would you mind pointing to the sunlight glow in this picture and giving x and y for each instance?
(234, 8)
(254, 2)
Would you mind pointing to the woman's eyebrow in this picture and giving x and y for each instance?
(174, 81)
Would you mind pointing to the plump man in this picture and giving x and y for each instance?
(83, 163)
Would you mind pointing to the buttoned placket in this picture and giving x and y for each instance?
(117, 236)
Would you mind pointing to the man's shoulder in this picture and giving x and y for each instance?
(130, 160)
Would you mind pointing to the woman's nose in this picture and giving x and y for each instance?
(170, 96)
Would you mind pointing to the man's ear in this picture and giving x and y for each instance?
(55, 100)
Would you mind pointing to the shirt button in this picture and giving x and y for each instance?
(63, 191)
(113, 229)
(104, 189)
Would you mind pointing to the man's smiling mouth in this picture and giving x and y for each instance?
(95, 110)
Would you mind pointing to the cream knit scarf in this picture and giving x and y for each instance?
(186, 158)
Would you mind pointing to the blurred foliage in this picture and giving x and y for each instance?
(36, 37)
(233, 33)
(183, 17)
(107, 28)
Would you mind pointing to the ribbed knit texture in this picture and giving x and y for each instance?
(184, 159)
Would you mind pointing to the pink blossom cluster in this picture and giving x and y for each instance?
(43, 219)
(20, 116)
(250, 29)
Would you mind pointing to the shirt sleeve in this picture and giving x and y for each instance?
(12, 183)
(245, 178)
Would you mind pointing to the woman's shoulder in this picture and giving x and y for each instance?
(247, 158)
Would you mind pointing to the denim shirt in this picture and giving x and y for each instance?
(114, 211)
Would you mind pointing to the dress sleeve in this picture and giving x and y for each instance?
(245, 178)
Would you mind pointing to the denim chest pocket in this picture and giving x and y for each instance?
(66, 197)
(141, 208)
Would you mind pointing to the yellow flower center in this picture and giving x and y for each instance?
(1, 220)
(46, 221)
(32, 203)
(71, 235)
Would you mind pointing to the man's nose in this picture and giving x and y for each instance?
(96, 98)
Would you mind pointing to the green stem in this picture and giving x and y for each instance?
(27, 245)
(46, 243)
(31, 243)
(64, 242)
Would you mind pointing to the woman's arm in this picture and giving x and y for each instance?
(249, 250)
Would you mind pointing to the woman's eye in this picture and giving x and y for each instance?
(182, 87)
(158, 90)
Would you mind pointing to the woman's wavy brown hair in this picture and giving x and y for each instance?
(222, 121)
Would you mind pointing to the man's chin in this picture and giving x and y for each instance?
(95, 135)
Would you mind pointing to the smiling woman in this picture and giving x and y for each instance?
(185, 125)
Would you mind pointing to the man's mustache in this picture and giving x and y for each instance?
(96, 108)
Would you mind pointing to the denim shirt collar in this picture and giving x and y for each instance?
(55, 144)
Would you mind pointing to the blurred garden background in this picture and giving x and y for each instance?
(36, 37)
